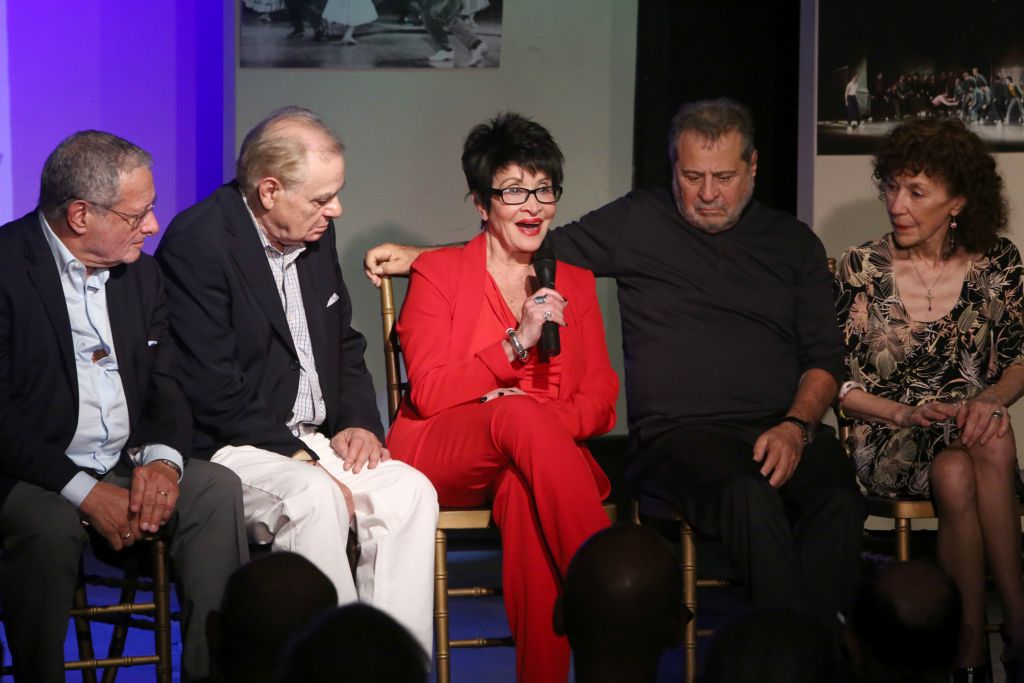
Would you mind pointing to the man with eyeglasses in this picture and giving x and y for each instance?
(276, 377)
(731, 353)
(93, 426)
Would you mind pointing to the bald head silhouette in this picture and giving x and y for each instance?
(622, 605)
(356, 643)
(265, 602)
(906, 623)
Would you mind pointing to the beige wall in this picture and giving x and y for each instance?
(568, 64)
(847, 210)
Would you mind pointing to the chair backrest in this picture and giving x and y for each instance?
(396, 386)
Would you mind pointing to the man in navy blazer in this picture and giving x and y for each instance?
(275, 372)
(93, 427)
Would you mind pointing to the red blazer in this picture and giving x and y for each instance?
(436, 326)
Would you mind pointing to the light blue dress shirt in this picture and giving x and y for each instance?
(103, 422)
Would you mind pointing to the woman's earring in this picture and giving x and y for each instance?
(952, 232)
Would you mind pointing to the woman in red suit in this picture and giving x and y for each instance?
(487, 418)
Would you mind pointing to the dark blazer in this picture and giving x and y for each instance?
(38, 381)
(237, 362)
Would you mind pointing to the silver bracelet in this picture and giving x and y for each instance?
(517, 346)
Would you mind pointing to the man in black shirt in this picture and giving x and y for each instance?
(731, 356)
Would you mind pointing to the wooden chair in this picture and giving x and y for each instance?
(654, 508)
(123, 615)
(449, 519)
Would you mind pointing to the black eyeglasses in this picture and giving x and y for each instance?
(548, 194)
(133, 220)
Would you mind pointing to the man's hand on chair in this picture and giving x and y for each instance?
(389, 259)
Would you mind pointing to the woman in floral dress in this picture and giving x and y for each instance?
(931, 314)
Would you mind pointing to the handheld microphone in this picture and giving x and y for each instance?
(544, 265)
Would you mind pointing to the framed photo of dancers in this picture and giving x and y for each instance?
(884, 61)
(370, 34)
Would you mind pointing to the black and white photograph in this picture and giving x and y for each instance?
(881, 62)
(370, 34)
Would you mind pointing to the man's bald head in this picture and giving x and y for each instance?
(265, 602)
(908, 617)
(626, 576)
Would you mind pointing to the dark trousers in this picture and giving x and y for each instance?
(305, 10)
(441, 16)
(795, 545)
(852, 110)
(43, 539)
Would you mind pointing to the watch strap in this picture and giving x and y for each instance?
(805, 428)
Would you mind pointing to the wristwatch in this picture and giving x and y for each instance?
(173, 465)
(804, 426)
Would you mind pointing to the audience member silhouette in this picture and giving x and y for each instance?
(265, 603)
(905, 625)
(773, 644)
(622, 605)
(356, 643)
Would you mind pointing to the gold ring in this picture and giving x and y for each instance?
(127, 535)
(162, 493)
(997, 414)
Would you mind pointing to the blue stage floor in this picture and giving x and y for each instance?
(470, 617)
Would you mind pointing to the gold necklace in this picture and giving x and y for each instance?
(929, 294)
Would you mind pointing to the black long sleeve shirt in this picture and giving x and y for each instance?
(714, 326)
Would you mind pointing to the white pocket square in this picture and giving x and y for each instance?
(333, 300)
(152, 342)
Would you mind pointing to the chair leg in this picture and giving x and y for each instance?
(162, 617)
(902, 539)
(689, 547)
(83, 634)
(120, 633)
(443, 654)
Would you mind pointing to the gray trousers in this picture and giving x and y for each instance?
(440, 16)
(43, 539)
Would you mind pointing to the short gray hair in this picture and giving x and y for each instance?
(712, 119)
(88, 165)
(270, 149)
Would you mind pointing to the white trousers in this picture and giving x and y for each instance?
(295, 506)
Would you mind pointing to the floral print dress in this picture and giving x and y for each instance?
(950, 359)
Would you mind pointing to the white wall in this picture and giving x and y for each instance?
(568, 64)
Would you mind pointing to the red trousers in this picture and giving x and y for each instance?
(545, 499)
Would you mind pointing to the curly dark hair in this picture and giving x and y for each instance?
(945, 150)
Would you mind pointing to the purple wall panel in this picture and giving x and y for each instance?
(152, 72)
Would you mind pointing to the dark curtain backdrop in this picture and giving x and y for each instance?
(700, 49)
